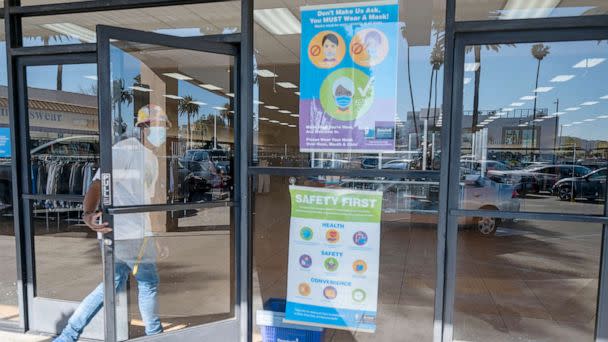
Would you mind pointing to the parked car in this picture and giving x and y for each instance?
(397, 164)
(591, 186)
(475, 166)
(422, 196)
(480, 192)
(200, 164)
(593, 163)
(540, 178)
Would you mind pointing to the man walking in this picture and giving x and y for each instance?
(135, 174)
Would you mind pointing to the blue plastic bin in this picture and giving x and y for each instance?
(273, 329)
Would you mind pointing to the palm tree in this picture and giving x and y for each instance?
(187, 107)
(477, 51)
(57, 38)
(404, 33)
(120, 95)
(436, 60)
(539, 51)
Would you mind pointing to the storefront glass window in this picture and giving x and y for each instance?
(535, 280)
(401, 280)
(173, 127)
(535, 140)
(182, 21)
(64, 150)
(526, 9)
(9, 309)
(404, 96)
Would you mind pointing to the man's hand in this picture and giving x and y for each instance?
(91, 221)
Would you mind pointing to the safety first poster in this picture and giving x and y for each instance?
(348, 67)
(334, 244)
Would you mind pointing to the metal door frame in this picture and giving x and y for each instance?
(228, 329)
(45, 307)
(507, 32)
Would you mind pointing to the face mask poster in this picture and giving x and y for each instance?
(348, 97)
(334, 244)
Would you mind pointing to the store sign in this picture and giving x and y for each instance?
(5, 142)
(348, 68)
(334, 244)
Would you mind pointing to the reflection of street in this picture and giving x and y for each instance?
(551, 204)
(533, 281)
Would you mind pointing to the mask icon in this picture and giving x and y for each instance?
(157, 135)
(343, 89)
(343, 102)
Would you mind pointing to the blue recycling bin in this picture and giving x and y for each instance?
(270, 321)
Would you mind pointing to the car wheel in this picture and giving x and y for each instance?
(486, 225)
(565, 194)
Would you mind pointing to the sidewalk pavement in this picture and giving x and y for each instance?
(18, 337)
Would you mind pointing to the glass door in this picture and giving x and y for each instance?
(168, 148)
(58, 137)
(529, 137)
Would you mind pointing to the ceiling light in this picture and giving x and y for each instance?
(589, 103)
(558, 113)
(178, 76)
(562, 78)
(589, 120)
(284, 124)
(507, 109)
(605, 97)
(542, 89)
(577, 122)
(274, 121)
(538, 120)
(73, 30)
(517, 104)
(470, 67)
(219, 108)
(264, 119)
(230, 94)
(295, 115)
(284, 111)
(91, 77)
(467, 80)
(138, 88)
(174, 97)
(297, 93)
(499, 114)
(572, 109)
(588, 63)
(527, 98)
(603, 117)
(210, 87)
(265, 73)
(271, 107)
(278, 21)
(568, 125)
(258, 102)
(523, 125)
(292, 126)
(287, 85)
(198, 103)
(522, 9)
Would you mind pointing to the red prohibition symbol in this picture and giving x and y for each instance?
(357, 48)
(315, 50)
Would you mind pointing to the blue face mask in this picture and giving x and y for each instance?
(157, 136)
(343, 101)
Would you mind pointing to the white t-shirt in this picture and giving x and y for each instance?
(134, 176)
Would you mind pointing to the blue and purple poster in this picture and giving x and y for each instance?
(348, 67)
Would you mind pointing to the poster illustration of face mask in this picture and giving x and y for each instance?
(348, 77)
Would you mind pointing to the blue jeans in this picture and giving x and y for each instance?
(126, 253)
